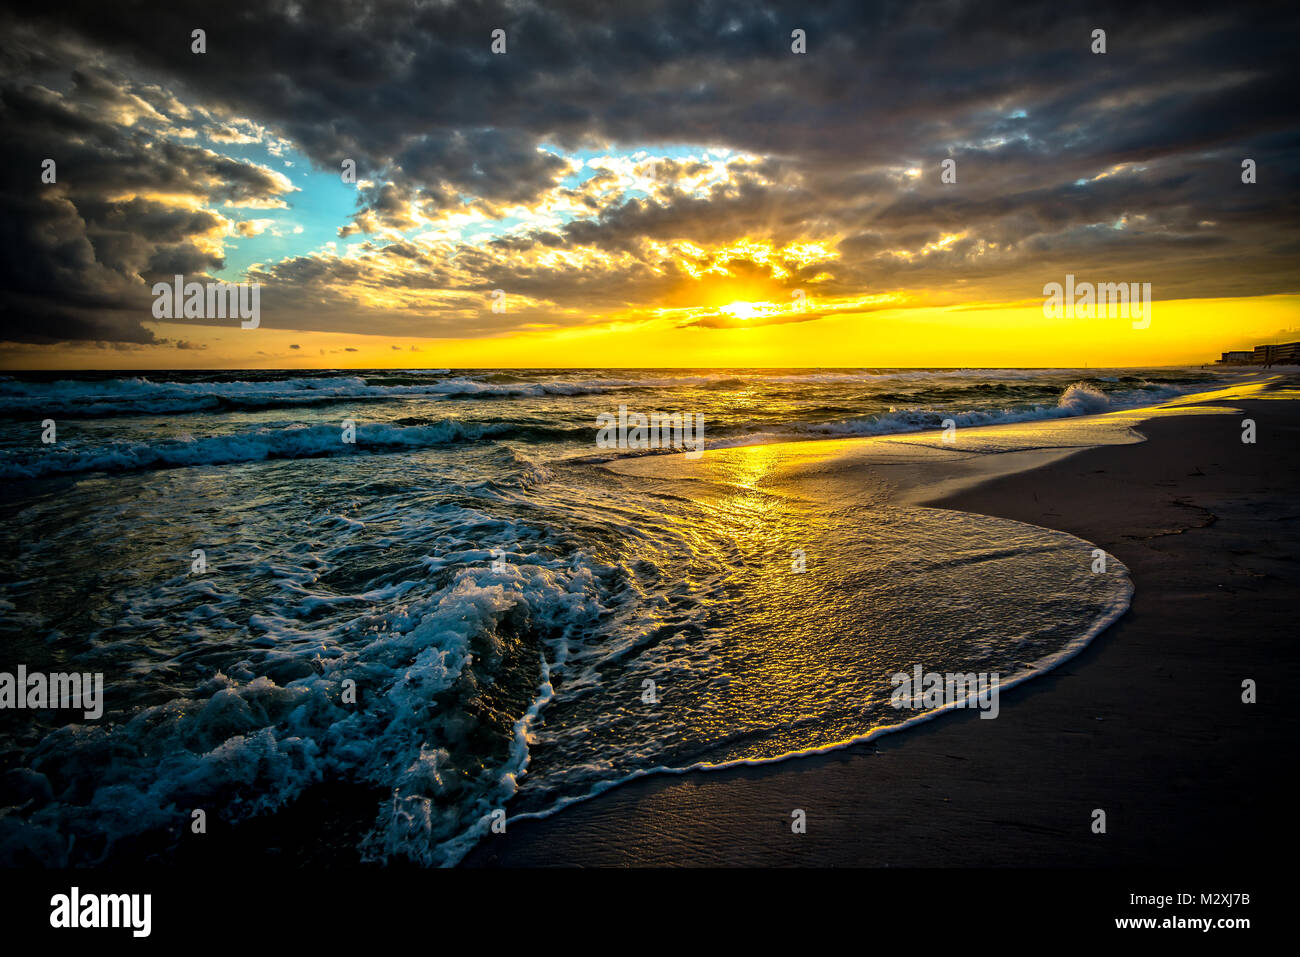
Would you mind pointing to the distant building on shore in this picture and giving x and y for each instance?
(1284, 354)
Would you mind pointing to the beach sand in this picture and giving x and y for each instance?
(1147, 723)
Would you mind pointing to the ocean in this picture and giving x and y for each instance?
(466, 615)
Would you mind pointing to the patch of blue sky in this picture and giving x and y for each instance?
(311, 218)
(582, 170)
(322, 202)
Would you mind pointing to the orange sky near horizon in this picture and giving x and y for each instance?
(1182, 332)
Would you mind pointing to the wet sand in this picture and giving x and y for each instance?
(1147, 723)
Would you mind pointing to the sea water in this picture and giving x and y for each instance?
(467, 611)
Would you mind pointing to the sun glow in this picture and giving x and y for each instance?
(741, 310)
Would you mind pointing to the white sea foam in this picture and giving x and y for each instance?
(252, 446)
(377, 568)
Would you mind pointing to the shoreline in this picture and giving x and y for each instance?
(865, 800)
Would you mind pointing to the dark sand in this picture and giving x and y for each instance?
(1146, 723)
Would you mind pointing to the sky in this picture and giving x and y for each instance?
(692, 184)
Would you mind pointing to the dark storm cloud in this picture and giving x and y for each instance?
(79, 253)
(1155, 129)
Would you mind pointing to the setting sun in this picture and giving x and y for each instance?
(741, 310)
